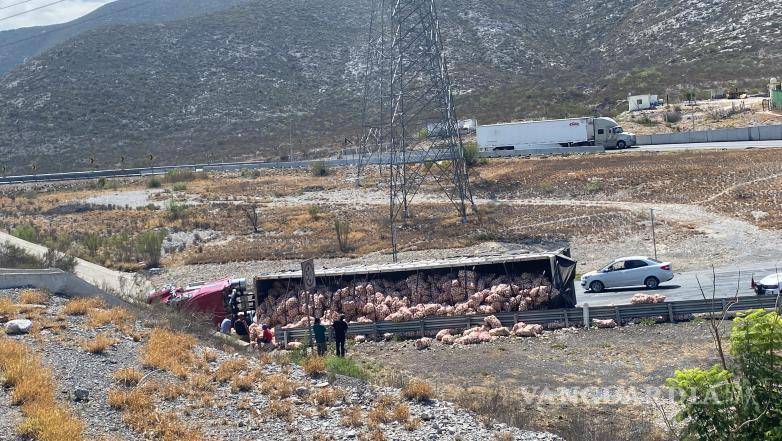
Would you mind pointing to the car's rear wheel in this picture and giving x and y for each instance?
(652, 282)
(596, 286)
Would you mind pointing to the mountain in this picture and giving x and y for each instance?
(245, 81)
(18, 45)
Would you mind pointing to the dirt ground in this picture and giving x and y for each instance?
(711, 208)
(562, 375)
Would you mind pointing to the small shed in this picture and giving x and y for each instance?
(775, 93)
(642, 102)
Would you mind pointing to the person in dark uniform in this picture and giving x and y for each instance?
(340, 334)
(320, 337)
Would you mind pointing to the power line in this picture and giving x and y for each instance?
(14, 4)
(32, 10)
(76, 22)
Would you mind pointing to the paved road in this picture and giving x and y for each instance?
(333, 162)
(710, 146)
(684, 285)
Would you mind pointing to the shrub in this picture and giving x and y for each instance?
(417, 390)
(673, 117)
(117, 316)
(33, 297)
(314, 212)
(56, 259)
(280, 409)
(8, 309)
(314, 365)
(230, 369)
(179, 186)
(128, 377)
(342, 230)
(278, 386)
(154, 182)
(327, 396)
(319, 169)
(352, 417)
(242, 383)
(92, 242)
(646, 121)
(149, 245)
(744, 401)
(12, 256)
(471, 153)
(100, 183)
(182, 175)
(175, 211)
(26, 232)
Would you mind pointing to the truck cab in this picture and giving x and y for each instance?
(610, 134)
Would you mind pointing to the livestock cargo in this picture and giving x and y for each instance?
(413, 290)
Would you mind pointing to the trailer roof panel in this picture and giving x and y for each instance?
(451, 262)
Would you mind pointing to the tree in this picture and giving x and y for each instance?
(149, 244)
(252, 215)
(741, 401)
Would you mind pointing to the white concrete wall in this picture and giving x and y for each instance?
(760, 133)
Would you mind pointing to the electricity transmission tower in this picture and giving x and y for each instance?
(409, 118)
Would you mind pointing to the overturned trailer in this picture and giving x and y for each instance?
(400, 292)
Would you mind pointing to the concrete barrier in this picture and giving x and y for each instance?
(53, 280)
(759, 133)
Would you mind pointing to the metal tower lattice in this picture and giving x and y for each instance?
(409, 117)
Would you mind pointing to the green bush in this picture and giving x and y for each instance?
(646, 121)
(153, 183)
(471, 154)
(12, 256)
(319, 169)
(101, 183)
(345, 366)
(175, 210)
(313, 211)
(182, 175)
(56, 259)
(179, 186)
(26, 232)
(673, 117)
(149, 246)
(92, 242)
(342, 229)
(743, 401)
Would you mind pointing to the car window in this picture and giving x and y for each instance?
(630, 264)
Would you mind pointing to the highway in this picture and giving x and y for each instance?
(347, 161)
(684, 286)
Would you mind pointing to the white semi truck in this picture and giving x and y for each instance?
(554, 133)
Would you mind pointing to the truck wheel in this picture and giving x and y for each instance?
(621, 145)
(596, 286)
(652, 282)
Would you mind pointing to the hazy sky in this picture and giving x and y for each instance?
(59, 13)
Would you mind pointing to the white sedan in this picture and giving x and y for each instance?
(628, 272)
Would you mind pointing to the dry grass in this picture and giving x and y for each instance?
(281, 409)
(128, 377)
(412, 424)
(33, 389)
(82, 306)
(8, 309)
(137, 405)
(352, 416)
(243, 383)
(401, 412)
(33, 297)
(374, 435)
(327, 396)
(382, 411)
(169, 350)
(209, 356)
(314, 365)
(119, 317)
(229, 369)
(201, 382)
(278, 386)
(417, 389)
(98, 344)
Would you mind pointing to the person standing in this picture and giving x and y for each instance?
(340, 333)
(320, 337)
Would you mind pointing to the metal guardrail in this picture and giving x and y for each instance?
(566, 317)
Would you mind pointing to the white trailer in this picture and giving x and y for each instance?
(553, 133)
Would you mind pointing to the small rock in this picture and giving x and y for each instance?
(81, 395)
(302, 391)
(426, 416)
(18, 327)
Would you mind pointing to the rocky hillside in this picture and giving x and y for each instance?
(239, 82)
(18, 45)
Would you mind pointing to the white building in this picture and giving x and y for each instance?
(642, 102)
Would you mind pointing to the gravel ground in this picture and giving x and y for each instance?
(231, 413)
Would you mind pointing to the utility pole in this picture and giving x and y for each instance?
(654, 237)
